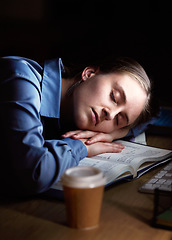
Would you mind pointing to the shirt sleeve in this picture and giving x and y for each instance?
(29, 164)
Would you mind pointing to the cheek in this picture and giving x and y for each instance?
(106, 127)
(94, 91)
(83, 93)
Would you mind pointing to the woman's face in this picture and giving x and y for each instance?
(106, 102)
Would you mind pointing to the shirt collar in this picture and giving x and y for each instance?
(51, 88)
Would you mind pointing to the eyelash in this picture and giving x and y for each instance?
(117, 122)
(114, 100)
(113, 97)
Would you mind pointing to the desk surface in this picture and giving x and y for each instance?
(126, 214)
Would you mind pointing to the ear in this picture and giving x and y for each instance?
(89, 72)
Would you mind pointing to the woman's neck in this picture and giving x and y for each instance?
(66, 114)
(65, 85)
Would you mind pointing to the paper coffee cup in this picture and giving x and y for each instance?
(83, 192)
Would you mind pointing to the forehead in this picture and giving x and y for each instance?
(125, 81)
(133, 95)
(122, 76)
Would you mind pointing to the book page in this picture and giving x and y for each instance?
(111, 169)
(143, 154)
(132, 156)
(111, 164)
(114, 165)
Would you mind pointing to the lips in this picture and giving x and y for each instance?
(95, 117)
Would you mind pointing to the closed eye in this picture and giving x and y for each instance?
(113, 97)
(117, 122)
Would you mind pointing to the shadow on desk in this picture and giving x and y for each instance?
(128, 200)
(42, 207)
(135, 212)
(53, 210)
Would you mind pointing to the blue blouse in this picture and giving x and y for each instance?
(32, 158)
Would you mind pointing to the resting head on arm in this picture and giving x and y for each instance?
(105, 100)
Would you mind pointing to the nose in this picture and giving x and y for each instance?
(110, 114)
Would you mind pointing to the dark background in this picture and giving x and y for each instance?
(79, 31)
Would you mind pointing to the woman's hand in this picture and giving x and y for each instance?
(97, 142)
(102, 147)
(93, 137)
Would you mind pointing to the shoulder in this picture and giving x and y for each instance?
(19, 66)
(13, 67)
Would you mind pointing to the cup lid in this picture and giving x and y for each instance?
(83, 177)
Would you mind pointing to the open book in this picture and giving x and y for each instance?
(134, 160)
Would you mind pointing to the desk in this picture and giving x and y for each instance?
(126, 214)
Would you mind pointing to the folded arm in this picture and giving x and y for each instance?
(94, 137)
(29, 163)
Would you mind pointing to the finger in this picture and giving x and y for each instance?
(100, 137)
(70, 133)
(99, 148)
(114, 146)
(84, 134)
